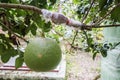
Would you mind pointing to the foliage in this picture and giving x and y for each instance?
(20, 22)
(99, 9)
(17, 23)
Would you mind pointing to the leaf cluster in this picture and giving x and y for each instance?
(16, 24)
(97, 47)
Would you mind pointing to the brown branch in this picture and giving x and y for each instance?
(85, 16)
(107, 14)
(113, 25)
(76, 33)
(20, 6)
(58, 18)
(97, 77)
(55, 17)
(103, 26)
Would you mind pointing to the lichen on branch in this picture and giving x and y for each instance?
(59, 18)
(55, 17)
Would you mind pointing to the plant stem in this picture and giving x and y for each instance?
(76, 33)
(84, 17)
(38, 10)
(103, 26)
(97, 77)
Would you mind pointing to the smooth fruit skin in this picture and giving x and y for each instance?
(42, 54)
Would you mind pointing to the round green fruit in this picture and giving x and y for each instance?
(42, 54)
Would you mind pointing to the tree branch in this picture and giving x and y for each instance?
(103, 26)
(20, 6)
(85, 16)
(76, 33)
(59, 18)
(55, 17)
(107, 14)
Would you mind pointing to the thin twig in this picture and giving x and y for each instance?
(103, 26)
(76, 33)
(113, 25)
(85, 16)
(97, 77)
(107, 14)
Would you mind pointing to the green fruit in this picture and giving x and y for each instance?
(42, 54)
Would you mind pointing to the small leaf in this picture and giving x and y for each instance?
(2, 48)
(115, 14)
(27, 19)
(13, 52)
(103, 12)
(117, 1)
(76, 1)
(19, 62)
(4, 1)
(39, 3)
(104, 52)
(94, 55)
(47, 27)
(15, 1)
(33, 29)
(52, 2)
(102, 3)
(5, 57)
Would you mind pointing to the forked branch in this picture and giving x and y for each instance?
(55, 17)
(109, 12)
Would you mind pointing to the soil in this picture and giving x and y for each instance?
(81, 66)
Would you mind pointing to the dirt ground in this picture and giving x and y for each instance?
(81, 66)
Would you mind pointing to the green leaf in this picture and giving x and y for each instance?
(104, 6)
(52, 2)
(20, 12)
(0, 50)
(12, 52)
(27, 19)
(37, 20)
(103, 52)
(115, 14)
(14, 1)
(102, 3)
(19, 62)
(76, 1)
(5, 57)
(33, 29)
(103, 12)
(4, 1)
(47, 27)
(39, 3)
(117, 1)
(94, 55)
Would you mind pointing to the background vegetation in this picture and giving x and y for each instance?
(16, 24)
